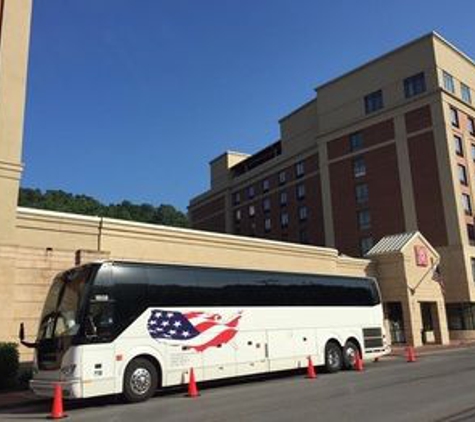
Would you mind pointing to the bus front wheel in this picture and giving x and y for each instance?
(140, 380)
(333, 357)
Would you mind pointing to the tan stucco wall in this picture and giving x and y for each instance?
(14, 42)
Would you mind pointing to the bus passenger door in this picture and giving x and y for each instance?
(251, 349)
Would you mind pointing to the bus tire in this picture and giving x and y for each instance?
(333, 357)
(350, 351)
(140, 380)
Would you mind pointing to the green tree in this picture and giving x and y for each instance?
(58, 200)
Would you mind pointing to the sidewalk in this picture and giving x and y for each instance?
(432, 349)
(11, 399)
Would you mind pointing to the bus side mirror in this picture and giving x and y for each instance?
(21, 334)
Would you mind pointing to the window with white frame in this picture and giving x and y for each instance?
(265, 185)
(448, 82)
(282, 177)
(266, 204)
(267, 224)
(284, 219)
(283, 198)
(299, 169)
(465, 92)
(458, 144)
(467, 204)
(359, 167)
(364, 219)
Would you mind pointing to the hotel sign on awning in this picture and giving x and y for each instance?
(422, 256)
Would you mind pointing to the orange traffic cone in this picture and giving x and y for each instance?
(358, 362)
(311, 373)
(192, 388)
(411, 354)
(57, 409)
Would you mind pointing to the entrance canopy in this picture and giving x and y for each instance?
(407, 268)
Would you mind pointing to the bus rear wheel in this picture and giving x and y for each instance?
(333, 357)
(350, 352)
(140, 381)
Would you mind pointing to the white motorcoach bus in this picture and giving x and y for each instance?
(130, 328)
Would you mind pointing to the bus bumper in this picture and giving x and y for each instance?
(45, 388)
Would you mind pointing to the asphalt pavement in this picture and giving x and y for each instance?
(438, 387)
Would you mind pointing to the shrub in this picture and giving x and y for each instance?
(9, 364)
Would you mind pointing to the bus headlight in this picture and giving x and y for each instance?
(68, 370)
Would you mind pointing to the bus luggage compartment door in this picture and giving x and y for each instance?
(251, 353)
(289, 349)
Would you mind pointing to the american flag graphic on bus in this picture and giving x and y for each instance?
(196, 330)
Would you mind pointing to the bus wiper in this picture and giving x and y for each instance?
(21, 335)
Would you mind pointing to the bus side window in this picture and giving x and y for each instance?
(100, 322)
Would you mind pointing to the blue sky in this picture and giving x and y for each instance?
(130, 99)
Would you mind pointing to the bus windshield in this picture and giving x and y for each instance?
(60, 315)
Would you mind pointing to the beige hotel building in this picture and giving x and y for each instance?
(335, 178)
(386, 148)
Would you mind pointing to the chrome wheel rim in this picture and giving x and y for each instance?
(333, 358)
(140, 381)
(351, 355)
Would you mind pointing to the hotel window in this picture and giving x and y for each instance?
(448, 82)
(472, 260)
(282, 177)
(252, 210)
(359, 167)
(283, 198)
(454, 117)
(237, 215)
(466, 94)
(299, 169)
(364, 220)
(301, 191)
(471, 233)
(267, 225)
(356, 141)
(251, 192)
(303, 237)
(467, 205)
(237, 198)
(366, 243)
(462, 174)
(361, 193)
(458, 145)
(265, 185)
(373, 101)
(472, 149)
(471, 126)
(414, 85)
(266, 204)
(303, 213)
(284, 220)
